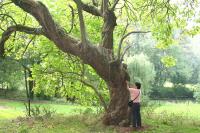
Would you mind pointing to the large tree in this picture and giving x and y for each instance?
(100, 57)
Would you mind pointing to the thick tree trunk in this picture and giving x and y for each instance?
(117, 113)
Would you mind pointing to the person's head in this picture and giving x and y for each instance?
(138, 85)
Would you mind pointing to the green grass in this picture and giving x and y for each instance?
(158, 126)
(13, 109)
(86, 124)
(57, 124)
(187, 109)
(167, 118)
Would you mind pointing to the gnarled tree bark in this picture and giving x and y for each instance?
(99, 57)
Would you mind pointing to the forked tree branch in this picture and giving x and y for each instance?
(124, 52)
(105, 5)
(120, 43)
(66, 43)
(6, 34)
(114, 5)
(6, 15)
(89, 8)
(52, 30)
(125, 36)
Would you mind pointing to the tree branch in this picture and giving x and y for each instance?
(95, 3)
(134, 32)
(120, 43)
(6, 34)
(108, 28)
(24, 23)
(4, 4)
(97, 92)
(125, 36)
(78, 78)
(28, 45)
(105, 5)
(123, 53)
(89, 8)
(114, 5)
(84, 38)
(52, 30)
(72, 20)
(9, 17)
(65, 42)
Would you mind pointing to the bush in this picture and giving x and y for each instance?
(181, 91)
(40, 111)
(145, 100)
(142, 70)
(197, 92)
(197, 96)
(177, 92)
(13, 94)
(88, 111)
(42, 96)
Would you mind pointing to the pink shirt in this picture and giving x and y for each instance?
(134, 93)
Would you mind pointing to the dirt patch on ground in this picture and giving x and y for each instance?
(131, 129)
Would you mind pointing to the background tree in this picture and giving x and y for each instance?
(141, 70)
(11, 75)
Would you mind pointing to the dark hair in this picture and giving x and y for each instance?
(138, 85)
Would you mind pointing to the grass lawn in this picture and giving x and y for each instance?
(187, 109)
(168, 118)
(12, 109)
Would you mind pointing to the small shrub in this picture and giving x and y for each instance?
(148, 111)
(78, 110)
(148, 107)
(40, 111)
(177, 92)
(88, 111)
(197, 96)
(145, 101)
(23, 129)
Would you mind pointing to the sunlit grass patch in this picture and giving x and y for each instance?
(187, 109)
(10, 113)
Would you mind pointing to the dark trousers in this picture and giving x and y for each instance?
(136, 115)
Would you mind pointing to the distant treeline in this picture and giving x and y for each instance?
(176, 92)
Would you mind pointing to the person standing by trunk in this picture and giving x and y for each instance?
(135, 95)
